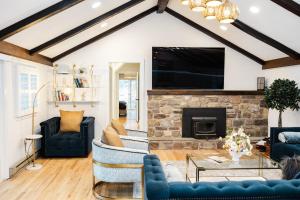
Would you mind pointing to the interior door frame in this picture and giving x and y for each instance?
(142, 92)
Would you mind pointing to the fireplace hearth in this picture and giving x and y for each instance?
(203, 123)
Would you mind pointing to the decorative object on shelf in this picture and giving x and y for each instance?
(261, 83)
(224, 11)
(281, 95)
(197, 5)
(238, 144)
(82, 70)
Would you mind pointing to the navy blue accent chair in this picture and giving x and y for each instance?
(280, 150)
(157, 187)
(69, 144)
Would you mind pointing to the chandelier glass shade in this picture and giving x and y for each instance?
(185, 2)
(213, 3)
(227, 12)
(210, 12)
(223, 10)
(197, 5)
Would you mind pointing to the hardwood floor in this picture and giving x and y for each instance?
(63, 179)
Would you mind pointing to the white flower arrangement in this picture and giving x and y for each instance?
(238, 142)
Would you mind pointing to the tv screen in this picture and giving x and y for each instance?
(187, 68)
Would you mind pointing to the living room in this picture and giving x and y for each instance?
(69, 68)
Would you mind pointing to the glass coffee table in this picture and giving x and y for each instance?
(257, 161)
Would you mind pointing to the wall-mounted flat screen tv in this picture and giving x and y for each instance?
(187, 68)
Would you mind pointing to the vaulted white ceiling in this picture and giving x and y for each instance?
(271, 20)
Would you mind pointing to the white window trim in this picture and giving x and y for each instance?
(23, 69)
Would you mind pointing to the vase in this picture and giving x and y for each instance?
(235, 155)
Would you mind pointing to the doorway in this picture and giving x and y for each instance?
(125, 93)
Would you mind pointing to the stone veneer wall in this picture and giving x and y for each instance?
(165, 117)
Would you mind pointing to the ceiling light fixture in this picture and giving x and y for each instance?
(197, 5)
(227, 12)
(210, 12)
(103, 25)
(223, 27)
(254, 9)
(223, 10)
(185, 2)
(96, 4)
(213, 3)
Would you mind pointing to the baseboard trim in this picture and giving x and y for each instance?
(21, 164)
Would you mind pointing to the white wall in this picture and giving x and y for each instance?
(289, 118)
(2, 148)
(134, 44)
(16, 129)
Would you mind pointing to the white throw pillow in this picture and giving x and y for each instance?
(281, 137)
(172, 173)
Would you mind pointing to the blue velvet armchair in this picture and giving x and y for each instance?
(280, 149)
(71, 144)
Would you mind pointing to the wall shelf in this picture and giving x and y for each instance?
(75, 88)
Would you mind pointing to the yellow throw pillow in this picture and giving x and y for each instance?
(70, 120)
(119, 127)
(111, 137)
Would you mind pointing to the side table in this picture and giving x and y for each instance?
(33, 138)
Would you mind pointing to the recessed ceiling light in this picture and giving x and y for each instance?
(223, 27)
(96, 4)
(254, 9)
(103, 25)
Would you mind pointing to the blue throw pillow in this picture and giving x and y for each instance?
(297, 176)
(289, 137)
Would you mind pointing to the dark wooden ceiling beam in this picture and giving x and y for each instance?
(266, 39)
(215, 36)
(281, 62)
(106, 33)
(85, 26)
(37, 17)
(19, 52)
(162, 5)
(289, 5)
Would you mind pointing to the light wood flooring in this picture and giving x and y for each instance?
(62, 179)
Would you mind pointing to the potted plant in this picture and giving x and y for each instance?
(281, 95)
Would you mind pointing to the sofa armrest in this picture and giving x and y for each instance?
(156, 185)
(136, 133)
(87, 131)
(135, 142)
(117, 155)
(50, 127)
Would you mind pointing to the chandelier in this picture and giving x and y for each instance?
(223, 10)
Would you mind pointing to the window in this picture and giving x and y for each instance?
(27, 87)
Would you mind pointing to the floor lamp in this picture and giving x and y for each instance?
(33, 137)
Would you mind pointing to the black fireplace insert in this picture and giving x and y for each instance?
(204, 123)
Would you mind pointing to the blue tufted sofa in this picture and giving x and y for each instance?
(157, 187)
(72, 144)
(279, 149)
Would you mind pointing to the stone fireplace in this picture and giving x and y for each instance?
(205, 110)
(203, 123)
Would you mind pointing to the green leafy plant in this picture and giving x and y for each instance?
(281, 95)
